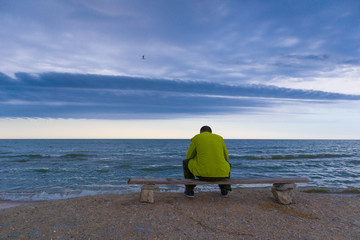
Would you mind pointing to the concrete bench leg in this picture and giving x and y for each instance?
(284, 193)
(147, 193)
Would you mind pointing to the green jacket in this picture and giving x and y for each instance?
(208, 156)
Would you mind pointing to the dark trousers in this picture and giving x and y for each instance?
(188, 175)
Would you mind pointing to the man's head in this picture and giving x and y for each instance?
(205, 129)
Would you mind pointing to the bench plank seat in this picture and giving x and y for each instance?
(226, 181)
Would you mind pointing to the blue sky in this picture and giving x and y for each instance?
(249, 69)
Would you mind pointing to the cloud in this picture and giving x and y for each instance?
(288, 42)
(225, 42)
(69, 95)
(342, 78)
(316, 57)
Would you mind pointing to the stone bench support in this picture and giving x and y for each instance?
(284, 193)
(147, 193)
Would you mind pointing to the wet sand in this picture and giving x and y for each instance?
(4, 204)
(246, 214)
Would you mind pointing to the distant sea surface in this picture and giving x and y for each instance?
(57, 169)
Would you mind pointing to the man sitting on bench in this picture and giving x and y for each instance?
(207, 159)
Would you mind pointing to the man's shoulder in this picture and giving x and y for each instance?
(196, 137)
(218, 136)
(206, 135)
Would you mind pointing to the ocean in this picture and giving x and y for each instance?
(59, 169)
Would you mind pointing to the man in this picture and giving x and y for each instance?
(207, 159)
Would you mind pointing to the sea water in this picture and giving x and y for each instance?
(57, 169)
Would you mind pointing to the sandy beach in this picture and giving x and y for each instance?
(246, 214)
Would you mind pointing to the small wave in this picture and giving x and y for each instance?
(34, 156)
(31, 156)
(66, 171)
(21, 160)
(56, 195)
(159, 168)
(102, 170)
(275, 167)
(354, 161)
(76, 155)
(41, 196)
(290, 156)
(5, 153)
(41, 170)
(129, 154)
(121, 166)
(41, 156)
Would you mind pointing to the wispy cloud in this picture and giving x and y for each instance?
(288, 42)
(231, 42)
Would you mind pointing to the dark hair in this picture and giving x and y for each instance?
(205, 129)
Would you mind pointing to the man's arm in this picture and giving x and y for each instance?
(226, 154)
(191, 152)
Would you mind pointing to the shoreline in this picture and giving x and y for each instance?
(5, 204)
(246, 214)
(8, 202)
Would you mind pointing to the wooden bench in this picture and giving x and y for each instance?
(283, 188)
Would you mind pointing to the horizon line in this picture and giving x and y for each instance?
(329, 139)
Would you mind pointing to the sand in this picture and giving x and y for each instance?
(246, 214)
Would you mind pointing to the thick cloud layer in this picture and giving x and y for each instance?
(64, 95)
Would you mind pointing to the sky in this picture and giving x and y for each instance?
(162, 69)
